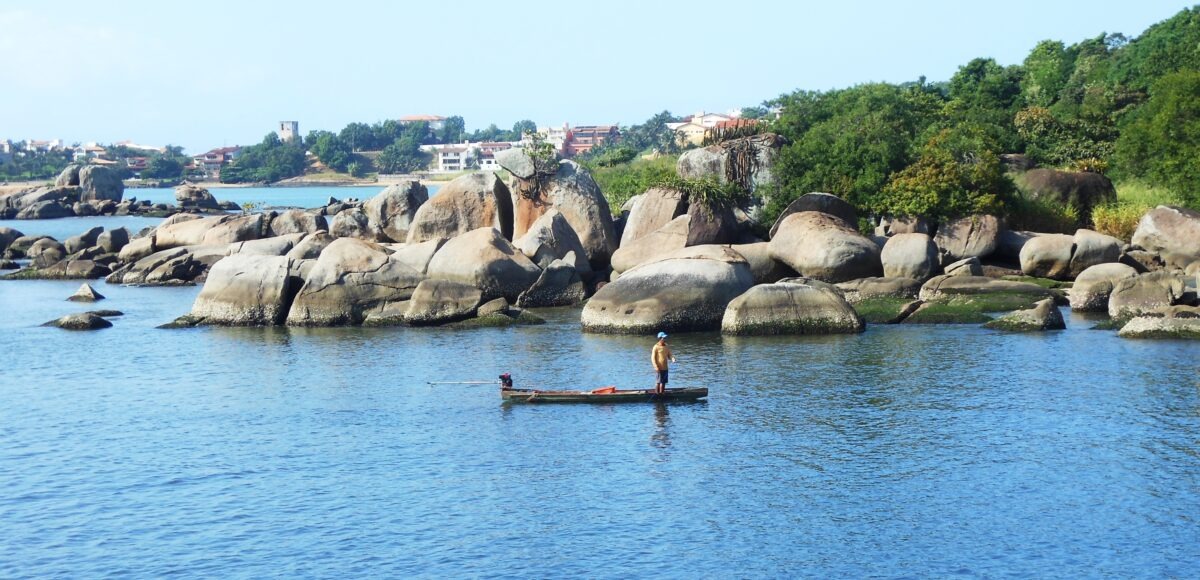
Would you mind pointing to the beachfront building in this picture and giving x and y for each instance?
(436, 122)
(288, 131)
(211, 162)
(36, 146)
(132, 145)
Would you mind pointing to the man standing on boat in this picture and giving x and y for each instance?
(660, 355)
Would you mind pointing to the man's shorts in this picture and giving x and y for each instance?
(662, 377)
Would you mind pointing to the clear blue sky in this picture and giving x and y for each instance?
(204, 74)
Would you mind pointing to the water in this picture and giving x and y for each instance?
(305, 197)
(904, 451)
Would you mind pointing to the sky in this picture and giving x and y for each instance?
(215, 73)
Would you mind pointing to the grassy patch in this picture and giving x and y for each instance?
(1134, 199)
(624, 180)
(884, 310)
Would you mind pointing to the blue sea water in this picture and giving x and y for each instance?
(911, 451)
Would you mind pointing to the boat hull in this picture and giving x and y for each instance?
(616, 396)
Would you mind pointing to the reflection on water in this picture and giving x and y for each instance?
(904, 451)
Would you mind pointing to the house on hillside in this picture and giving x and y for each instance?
(36, 146)
(487, 154)
(211, 162)
(88, 151)
(436, 122)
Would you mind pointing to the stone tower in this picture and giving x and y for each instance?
(288, 130)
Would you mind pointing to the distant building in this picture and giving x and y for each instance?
(487, 154)
(288, 130)
(137, 164)
(583, 138)
(36, 146)
(436, 122)
(211, 162)
(88, 151)
(132, 145)
(692, 129)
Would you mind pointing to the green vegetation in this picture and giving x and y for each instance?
(1043, 282)
(948, 312)
(622, 181)
(271, 160)
(1106, 104)
(709, 193)
(882, 310)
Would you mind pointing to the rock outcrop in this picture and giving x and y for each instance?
(350, 280)
(558, 285)
(442, 301)
(193, 197)
(246, 290)
(1043, 316)
(1081, 189)
(788, 308)
(824, 247)
(1144, 293)
(909, 256)
(84, 321)
(822, 202)
(651, 211)
(1094, 285)
(747, 161)
(484, 259)
(470, 202)
(1171, 323)
(391, 213)
(573, 192)
(86, 293)
(1048, 256)
(1172, 233)
(1092, 248)
(685, 291)
(296, 221)
(552, 238)
(100, 183)
(974, 236)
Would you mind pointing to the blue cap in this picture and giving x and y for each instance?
(662, 335)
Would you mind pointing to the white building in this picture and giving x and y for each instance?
(450, 158)
(436, 122)
(288, 130)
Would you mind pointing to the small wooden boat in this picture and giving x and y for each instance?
(603, 395)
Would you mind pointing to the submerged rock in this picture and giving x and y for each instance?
(1043, 316)
(84, 321)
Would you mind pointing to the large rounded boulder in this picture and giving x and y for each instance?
(246, 290)
(788, 308)
(351, 279)
(1048, 256)
(821, 246)
(573, 192)
(975, 236)
(651, 211)
(190, 196)
(552, 238)
(685, 291)
(669, 238)
(822, 202)
(1092, 248)
(470, 202)
(100, 183)
(1144, 293)
(1172, 233)
(484, 259)
(1094, 285)
(909, 256)
(1080, 189)
(297, 221)
(391, 213)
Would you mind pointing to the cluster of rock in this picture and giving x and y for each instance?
(475, 252)
(95, 190)
(485, 249)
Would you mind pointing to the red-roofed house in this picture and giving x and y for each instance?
(212, 161)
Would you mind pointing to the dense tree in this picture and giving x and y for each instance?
(957, 173)
(359, 136)
(269, 161)
(402, 156)
(163, 167)
(453, 130)
(1161, 141)
(520, 128)
(332, 151)
(1164, 48)
(754, 112)
(1046, 71)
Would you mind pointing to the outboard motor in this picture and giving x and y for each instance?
(506, 381)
